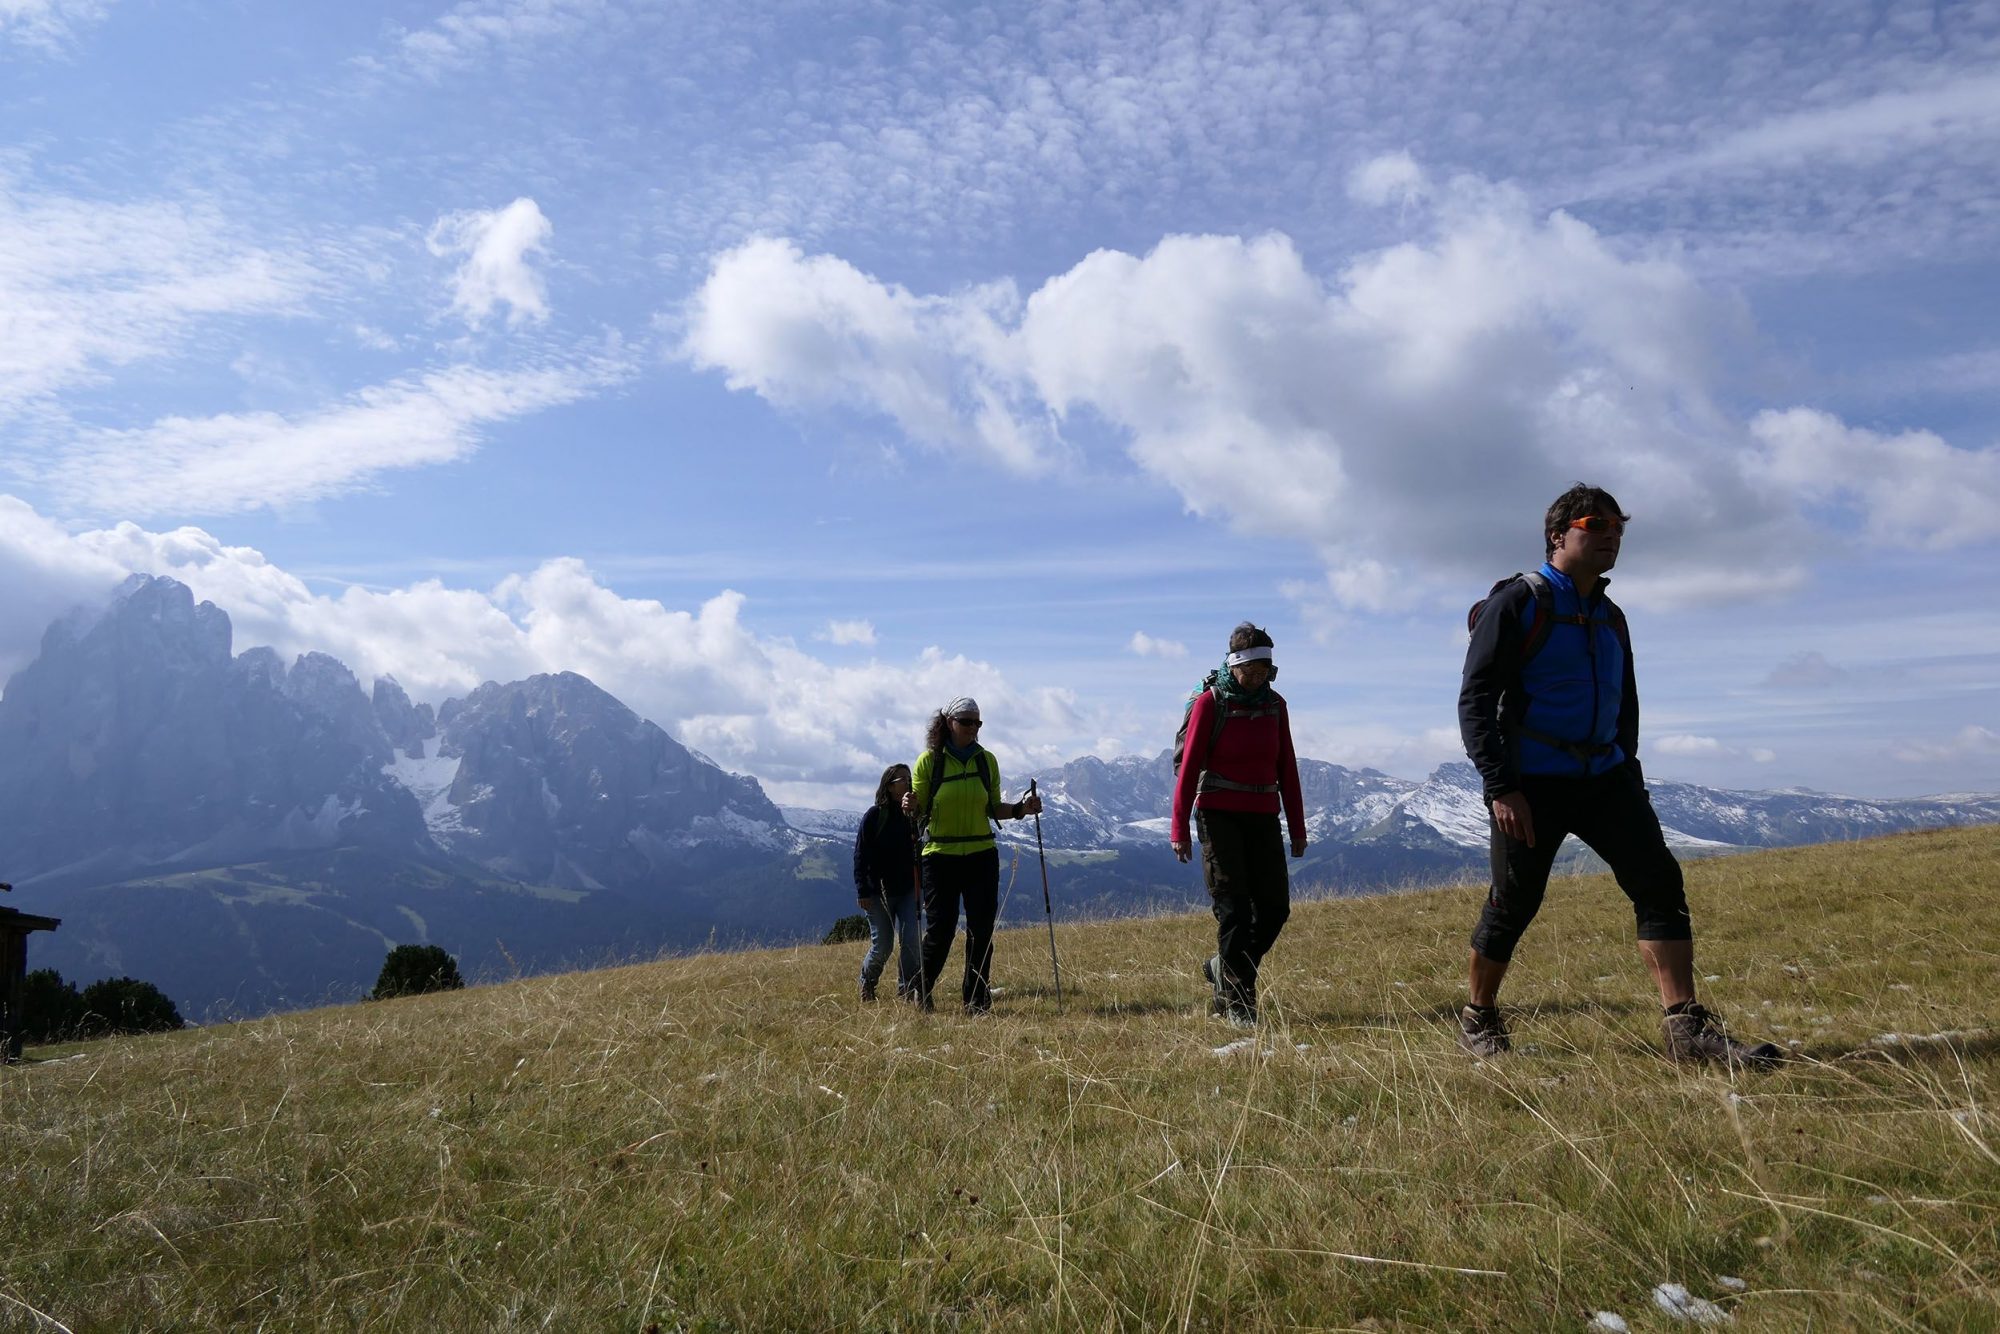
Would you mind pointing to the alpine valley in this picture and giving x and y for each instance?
(253, 835)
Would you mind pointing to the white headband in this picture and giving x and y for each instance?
(1249, 655)
(964, 705)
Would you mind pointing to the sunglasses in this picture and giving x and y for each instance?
(1597, 523)
(972, 723)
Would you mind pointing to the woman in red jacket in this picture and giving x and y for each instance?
(1236, 764)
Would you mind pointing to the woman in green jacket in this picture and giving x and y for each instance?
(954, 795)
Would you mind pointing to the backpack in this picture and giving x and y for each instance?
(987, 778)
(1223, 713)
(1545, 618)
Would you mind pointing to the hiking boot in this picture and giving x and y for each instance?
(1211, 972)
(1240, 1016)
(1696, 1035)
(867, 991)
(1482, 1032)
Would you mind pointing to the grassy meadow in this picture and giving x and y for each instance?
(733, 1142)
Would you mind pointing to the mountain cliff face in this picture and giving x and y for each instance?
(258, 834)
(136, 744)
(558, 783)
(136, 741)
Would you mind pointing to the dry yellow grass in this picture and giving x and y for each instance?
(732, 1142)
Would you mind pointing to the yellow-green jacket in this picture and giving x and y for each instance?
(962, 814)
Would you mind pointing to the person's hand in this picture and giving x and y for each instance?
(866, 905)
(1183, 850)
(1031, 804)
(909, 803)
(1515, 820)
(1298, 847)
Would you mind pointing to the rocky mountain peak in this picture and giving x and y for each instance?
(408, 726)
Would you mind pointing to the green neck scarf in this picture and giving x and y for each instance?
(1225, 685)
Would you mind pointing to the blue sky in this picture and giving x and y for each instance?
(792, 368)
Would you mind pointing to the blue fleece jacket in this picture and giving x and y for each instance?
(1579, 689)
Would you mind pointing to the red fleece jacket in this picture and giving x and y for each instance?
(1249, 750)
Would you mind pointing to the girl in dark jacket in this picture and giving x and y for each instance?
(885, 884)
(1237, 763)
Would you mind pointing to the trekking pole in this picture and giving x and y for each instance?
(1048, 910)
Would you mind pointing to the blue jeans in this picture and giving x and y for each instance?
(893, 916)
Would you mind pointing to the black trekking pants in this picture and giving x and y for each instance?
(1243, 860)
(974, 878)
(1613, 816)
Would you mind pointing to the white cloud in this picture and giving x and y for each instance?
(1969, 742)
(496, 245)
(755, 703)
(1393, 178)
(242, 461)
(1146, 646)
(1908, 490)
(47, 23)
(1682, 745)
(1896, 122)
(88, 285)
(1410, 421)
(474, 29)
(848, 632)
(1685, 745)
(817, 333)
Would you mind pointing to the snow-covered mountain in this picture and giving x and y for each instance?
(1108, 805)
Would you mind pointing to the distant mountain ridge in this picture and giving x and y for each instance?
(252, 834)
(142, 764)
(1095, 804)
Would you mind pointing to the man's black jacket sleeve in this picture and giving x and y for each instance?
(1493, 673)
(1628, 717)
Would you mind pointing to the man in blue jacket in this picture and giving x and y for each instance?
(1549, 710)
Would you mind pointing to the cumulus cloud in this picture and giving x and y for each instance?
(1907, 490)
(1146, 646)
(243, 461)
(756, 703)
(848, 632)
(1969, 742)
(816, 332)
(1409, 417)
(496, 245)
(1393, 178)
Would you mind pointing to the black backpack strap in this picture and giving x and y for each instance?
(1544, 617)
(982, 760)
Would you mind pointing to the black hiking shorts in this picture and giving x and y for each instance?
(1613, 816)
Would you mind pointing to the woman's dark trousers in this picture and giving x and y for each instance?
(1243, 859)
(973, 879)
